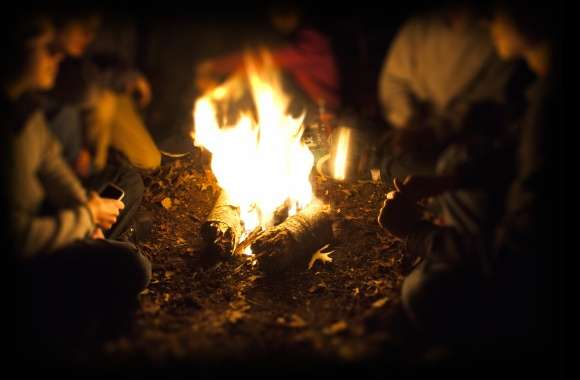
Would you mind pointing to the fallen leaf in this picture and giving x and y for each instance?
(335, 328)
(348, 192)
(166, 203)
(317, 288)
(212, 186)
(150, 307)
(380, 303)
(319, 255)
(233, 316)
(296, 322)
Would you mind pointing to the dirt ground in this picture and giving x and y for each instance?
(342, 317)
(230, 312)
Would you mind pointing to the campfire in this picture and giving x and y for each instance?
(266, 207)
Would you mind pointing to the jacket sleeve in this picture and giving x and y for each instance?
(61, 185)
(35, 233)
(44, 234)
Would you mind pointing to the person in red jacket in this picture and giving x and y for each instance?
(304, 56)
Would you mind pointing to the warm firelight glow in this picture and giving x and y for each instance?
(341, 155)
(261, 165)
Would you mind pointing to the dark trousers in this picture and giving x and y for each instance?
(89, 283)
(444, 291)
(472, 211)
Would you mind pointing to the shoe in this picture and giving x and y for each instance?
(178, 145)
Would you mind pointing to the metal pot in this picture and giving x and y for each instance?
(350, 155)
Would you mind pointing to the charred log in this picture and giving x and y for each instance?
(290, 244)
(222, 229)
(281, 213)
(248, 240)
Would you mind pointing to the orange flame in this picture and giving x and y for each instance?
(340, 159)
(260, 165)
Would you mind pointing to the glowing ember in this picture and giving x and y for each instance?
(261, 165)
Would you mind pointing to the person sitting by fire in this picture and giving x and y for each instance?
(68, 274)
(493, 283)
(97, 78)
(92, 114)
(439, 65)
(305, 57)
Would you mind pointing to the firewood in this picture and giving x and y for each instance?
(281, 214)
(291, 244)
(248, 240)
(222, 229)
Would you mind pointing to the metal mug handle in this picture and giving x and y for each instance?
(320, 165)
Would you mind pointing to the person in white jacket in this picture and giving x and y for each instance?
(439, 65)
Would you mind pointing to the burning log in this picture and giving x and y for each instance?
(248, 240)
(292, 243)
(222, 229)
(281, 213)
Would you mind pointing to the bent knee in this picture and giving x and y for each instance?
(135, 268)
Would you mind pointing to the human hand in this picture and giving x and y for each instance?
(104, 210)
(399, 214)
(98, 234)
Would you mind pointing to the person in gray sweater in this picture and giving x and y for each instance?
(71, 112)
(66, 270)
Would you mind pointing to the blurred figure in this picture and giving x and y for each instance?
(91, 110)
(103, 83)
(66, 273)
(440, 65)
(304, 56)
(492, 288)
